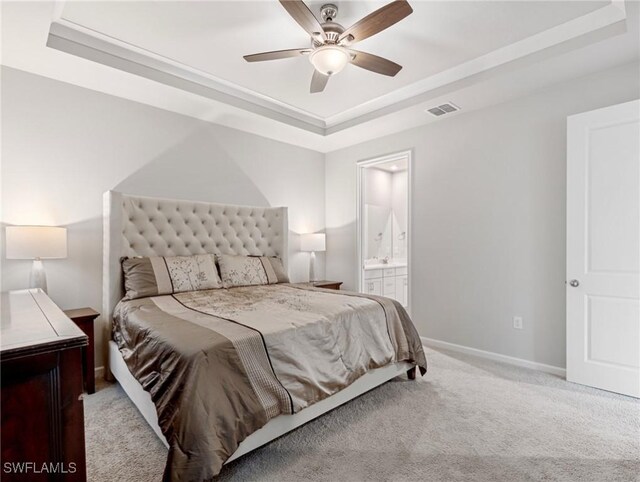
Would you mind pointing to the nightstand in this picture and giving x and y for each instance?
(329, 285)
(84, 318)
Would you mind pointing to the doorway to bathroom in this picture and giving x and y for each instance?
(384, 223)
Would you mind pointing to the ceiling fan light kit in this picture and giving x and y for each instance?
(330, 50)
(329, 59)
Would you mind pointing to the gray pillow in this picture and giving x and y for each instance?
(250, 270)
(160, 275)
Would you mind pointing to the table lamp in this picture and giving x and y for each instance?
(312, 243)
(36, 243)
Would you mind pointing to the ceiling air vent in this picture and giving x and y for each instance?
(443, 109)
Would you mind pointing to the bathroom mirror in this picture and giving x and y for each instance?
(379, 227)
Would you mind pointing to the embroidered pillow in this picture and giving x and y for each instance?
(172, 274)
(250, 270)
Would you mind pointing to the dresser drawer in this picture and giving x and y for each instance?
(372, 273)
(401, 271)
(389, 272)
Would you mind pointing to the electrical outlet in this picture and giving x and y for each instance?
(518, 324)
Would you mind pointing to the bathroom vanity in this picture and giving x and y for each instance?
(388, 280)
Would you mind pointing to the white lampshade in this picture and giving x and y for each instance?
(329, 59)
(312, 242)
(32, 242)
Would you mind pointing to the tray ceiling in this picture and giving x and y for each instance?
(186, 57)
(212, 37)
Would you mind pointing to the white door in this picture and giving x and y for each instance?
(603, 248)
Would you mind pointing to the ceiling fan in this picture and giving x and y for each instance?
(330, 49)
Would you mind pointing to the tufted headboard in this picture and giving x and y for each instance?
(144, 226)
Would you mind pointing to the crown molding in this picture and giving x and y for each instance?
(83, 42)
(576, 33)
(77, 40)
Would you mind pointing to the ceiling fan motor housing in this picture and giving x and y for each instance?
(332, 32)
(328, 12)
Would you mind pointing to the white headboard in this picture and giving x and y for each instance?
(144, 226)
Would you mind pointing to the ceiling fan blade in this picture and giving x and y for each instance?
(377, 21)
(374, 63)
(301, 14)
(318, 82)
(276, 54)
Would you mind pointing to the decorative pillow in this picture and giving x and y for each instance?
(250, 270)
(165, 275)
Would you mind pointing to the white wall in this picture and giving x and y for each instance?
(488, 205)
(63, 146)
(488, 208)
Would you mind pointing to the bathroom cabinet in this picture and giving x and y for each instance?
(389, 282)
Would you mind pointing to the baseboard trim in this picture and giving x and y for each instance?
(561, 372)
(99, 372)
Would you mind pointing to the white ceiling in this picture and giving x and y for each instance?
(212, 37)
(165, 55)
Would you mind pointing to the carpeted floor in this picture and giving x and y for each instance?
(468, 419)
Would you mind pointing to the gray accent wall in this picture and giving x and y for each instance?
(488, 209)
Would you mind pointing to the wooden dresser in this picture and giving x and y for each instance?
(42, 411)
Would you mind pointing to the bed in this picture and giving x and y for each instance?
(218, 373)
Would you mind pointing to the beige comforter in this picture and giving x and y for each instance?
(219, 364)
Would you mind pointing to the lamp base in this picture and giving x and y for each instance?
(38, 278)
(312, 267)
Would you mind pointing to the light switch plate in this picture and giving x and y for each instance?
(518, 323)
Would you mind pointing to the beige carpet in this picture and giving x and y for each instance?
(468, 419)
